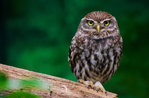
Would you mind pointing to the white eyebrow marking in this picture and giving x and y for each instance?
(90, 19)
(105, 20)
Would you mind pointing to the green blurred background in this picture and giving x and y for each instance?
(36, 34)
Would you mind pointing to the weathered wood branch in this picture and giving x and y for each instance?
(61, 88)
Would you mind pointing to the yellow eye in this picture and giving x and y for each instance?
(106, 23)
(90, 22)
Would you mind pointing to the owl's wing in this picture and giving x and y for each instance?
(71, 58)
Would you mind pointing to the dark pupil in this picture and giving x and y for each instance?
(91, 22)
(106, 22)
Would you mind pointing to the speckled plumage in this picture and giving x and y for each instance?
(94, 56)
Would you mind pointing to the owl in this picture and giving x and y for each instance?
(96, 49)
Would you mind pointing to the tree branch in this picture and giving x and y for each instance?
(61, 88)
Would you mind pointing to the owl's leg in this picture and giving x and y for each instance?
(98, 86)
(88, 84)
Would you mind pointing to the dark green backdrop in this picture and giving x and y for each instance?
(36, 34)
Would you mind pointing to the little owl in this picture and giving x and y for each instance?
(96, 49)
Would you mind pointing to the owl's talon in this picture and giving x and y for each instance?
(88, 84)
(98, 86)
(89, 87)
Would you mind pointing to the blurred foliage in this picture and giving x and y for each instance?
(21, 94)
(36, 34)
(19, 85)
(3, 81)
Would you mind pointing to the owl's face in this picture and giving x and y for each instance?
(99, 24)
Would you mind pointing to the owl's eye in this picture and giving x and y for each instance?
(90, 22)
(106, 23)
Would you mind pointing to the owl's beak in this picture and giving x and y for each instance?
(98, 28)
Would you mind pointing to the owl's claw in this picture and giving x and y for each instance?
(98, 86)
(88, 84)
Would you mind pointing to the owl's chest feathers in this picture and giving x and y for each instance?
(96, 59)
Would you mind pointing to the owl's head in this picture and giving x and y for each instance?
(99, 24)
